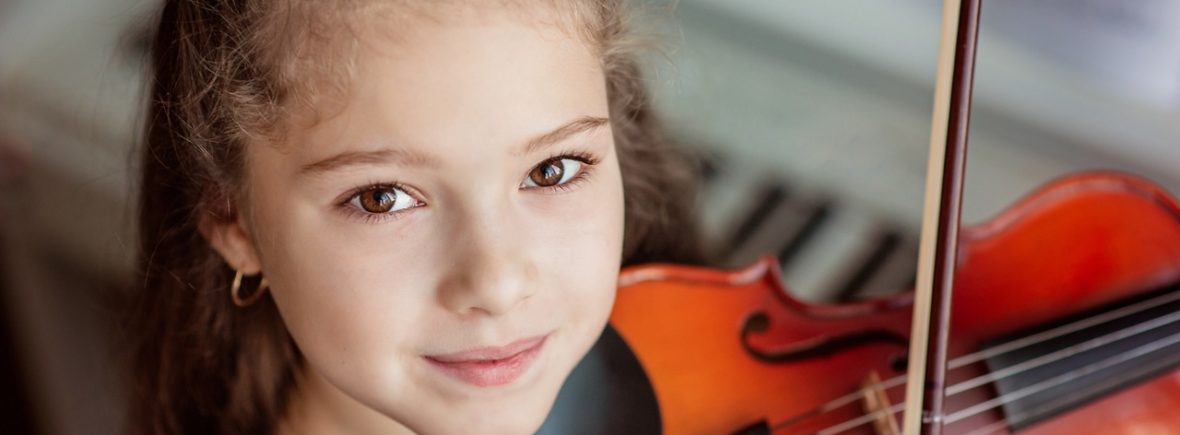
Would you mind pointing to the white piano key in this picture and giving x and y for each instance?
(821, 266)
(724, 202)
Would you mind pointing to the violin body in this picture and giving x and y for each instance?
(725, 350)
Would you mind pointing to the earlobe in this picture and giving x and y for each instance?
(230, 238)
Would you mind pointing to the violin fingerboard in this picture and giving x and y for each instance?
(1147, 345)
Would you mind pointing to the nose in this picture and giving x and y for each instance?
(487, 268)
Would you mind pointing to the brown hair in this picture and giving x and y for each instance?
(225, 71)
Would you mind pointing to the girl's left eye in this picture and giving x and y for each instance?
(553, 172)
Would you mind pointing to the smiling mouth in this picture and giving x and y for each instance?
(490, 366)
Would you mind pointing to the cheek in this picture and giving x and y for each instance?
(579, 249)
(348, 293)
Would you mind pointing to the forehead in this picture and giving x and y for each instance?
(311, 49)
(437, 81)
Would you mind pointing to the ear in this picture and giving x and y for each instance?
(231, 239)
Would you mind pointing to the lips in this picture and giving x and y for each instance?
(489, 366)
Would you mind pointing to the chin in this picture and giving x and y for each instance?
(518, 415)
(499, 419)
(519, 412)
(514, 424)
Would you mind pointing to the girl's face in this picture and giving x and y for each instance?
(445, 248)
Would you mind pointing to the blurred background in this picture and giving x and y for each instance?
(813, 117)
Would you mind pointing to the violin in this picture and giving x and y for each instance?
(1059, 315)
(1060, 302)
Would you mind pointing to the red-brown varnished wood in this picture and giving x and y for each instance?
(1077, 243)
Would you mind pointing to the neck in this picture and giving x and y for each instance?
(318, 407)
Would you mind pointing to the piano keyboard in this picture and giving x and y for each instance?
(829, 250)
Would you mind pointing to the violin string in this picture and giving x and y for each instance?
(1065, 377)
(838, 403)
(858, 421)
(990, 352)
(1063, 353)
(1151, 366)
(1029, 390)
(995, 427)
(1068, 328)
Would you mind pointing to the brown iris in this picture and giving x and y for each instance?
(547, 173)
(378, 200)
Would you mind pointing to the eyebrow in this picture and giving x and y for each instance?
(579, 125)
(410, 158)
(374, 157)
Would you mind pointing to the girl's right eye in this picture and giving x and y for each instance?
(382, 200)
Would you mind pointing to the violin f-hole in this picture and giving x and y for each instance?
(820, 346)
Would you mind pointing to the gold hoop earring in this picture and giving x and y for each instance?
(236, 287)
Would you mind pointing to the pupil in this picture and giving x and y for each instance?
(547, 174)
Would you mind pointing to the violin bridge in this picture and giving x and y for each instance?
(875, 402)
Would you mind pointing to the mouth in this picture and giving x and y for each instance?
(490, 366)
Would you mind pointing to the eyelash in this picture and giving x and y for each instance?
(375, 218)
(589, 162)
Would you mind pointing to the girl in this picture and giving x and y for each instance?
(384, 217)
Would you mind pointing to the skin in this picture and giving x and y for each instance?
(477, 258)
